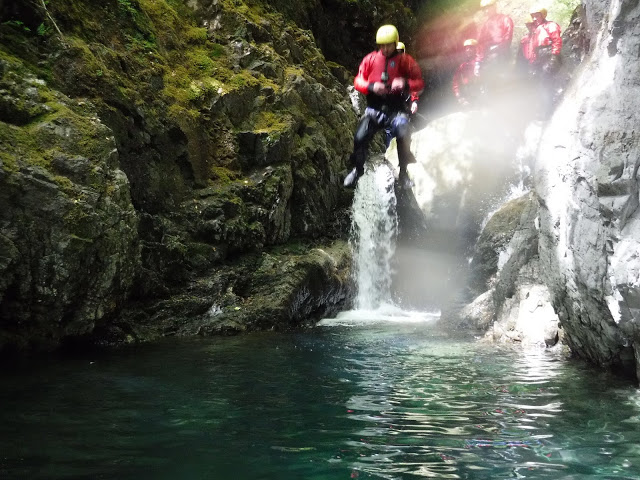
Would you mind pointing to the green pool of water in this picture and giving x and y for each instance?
(383, 401)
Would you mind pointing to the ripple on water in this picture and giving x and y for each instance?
(386, 400)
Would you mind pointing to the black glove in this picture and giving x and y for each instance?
(551, 65)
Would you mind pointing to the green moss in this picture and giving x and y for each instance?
(109, 191)
(164, 15)
(273, 123)
(242, 80)
(217, 50)
(180, 114)
(257, 12)
(5, 56)
(76, 218)
(197, 76)
(195, 35)
(79, 48)
(223, 175)
(8, 163)
(138, 43)
(200, 60)
(307, 170)
(23, 146)
(126, 7)
(35, 160)
(64, 183)
(293, 71)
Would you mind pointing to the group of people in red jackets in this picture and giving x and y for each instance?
(392, 82)
(487, 57)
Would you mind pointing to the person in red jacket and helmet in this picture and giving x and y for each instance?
(526, 55)
(494, 41)
(385, 77)
(545, 45)
(465, 84)
(546, 42)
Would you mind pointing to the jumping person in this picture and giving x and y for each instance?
(386, 78)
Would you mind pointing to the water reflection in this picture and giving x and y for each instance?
(379, 400)
(443, 413)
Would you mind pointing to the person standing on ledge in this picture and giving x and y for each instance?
(526, 55)
(386, 77)
(494, 43)
(546, 46)
(465, 84)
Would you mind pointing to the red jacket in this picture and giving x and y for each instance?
(496, 31)
(463, 78)
(397, 66)
(526, 48)
(545, 34)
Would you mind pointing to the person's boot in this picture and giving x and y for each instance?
(409, 156)
(351, 180)
(404, 182)
(405, 155)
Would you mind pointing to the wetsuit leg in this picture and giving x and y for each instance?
(387, 137)
(400, 129)
(367, 128)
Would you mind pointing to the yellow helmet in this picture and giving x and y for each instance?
(487, 3)
(539, 9)
(470, 42)
(387, 34)
(400, 46)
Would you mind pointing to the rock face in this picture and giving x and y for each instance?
(69, 247)
(575, 247)
(174, 169)
(586, 179)
(149, 159)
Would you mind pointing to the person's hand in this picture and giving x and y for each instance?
(476, 69)
(551, 65)
(379, 88)
(414, 108)
(398, 84)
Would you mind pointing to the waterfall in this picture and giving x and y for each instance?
(374, 228)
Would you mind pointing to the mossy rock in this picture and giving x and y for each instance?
(68, 217)
(234, 110)
(494, 239)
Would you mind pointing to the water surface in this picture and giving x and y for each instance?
(383, 400)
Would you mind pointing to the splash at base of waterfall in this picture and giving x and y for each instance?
(385, 313)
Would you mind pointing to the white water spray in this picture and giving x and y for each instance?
(374, 230)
